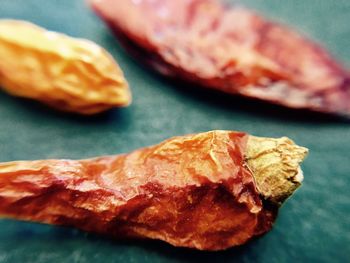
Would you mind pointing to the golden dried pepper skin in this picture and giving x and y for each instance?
(69, 74)
(230, 49)
(198, 191)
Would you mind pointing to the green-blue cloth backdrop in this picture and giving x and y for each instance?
(313, 226)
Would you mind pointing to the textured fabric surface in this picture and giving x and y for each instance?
(313, 225)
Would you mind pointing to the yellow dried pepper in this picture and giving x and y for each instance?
(69, 74)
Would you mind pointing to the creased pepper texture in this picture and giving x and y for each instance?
(66, 73)
(231, 49)
(197, 191)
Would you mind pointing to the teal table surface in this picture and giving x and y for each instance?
(313, 226)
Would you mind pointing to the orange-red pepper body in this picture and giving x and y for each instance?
(192, 191)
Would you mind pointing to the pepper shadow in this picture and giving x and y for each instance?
(37, 234)
(165, 250)
(250, 106)
(36, 109)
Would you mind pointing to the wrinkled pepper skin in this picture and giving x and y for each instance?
(230, 49)
(193, 191)
(69, 74)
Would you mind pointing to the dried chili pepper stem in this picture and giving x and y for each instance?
(208, 191)
(275, 166)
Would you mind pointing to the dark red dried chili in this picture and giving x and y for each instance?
(231, 49)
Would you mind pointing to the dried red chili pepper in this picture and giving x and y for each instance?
(231, 49)
(208, 191)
